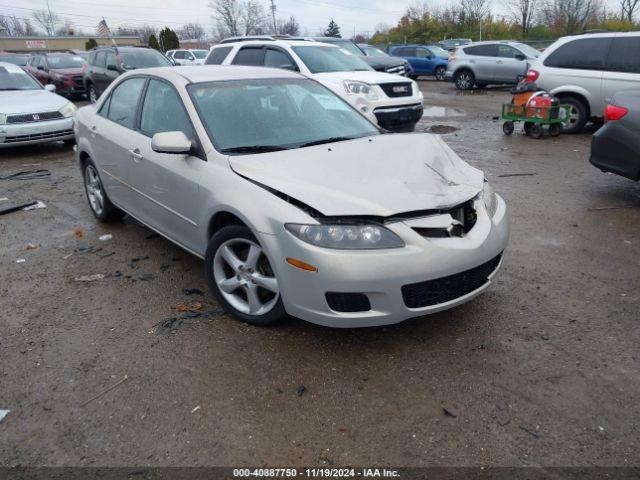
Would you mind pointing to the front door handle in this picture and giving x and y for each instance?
(137, 156)
(93, 129)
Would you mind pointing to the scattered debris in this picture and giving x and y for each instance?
(90, 278)
(530, 432)
(67, 256)
(448, 413)
(106, 237)
(613, 207)
(301, 390)
(195, 409)
(15, 208)
(192, 291)
(31, 246)
(529, 174)
(104, 392)
(3, 413)
(28, 175)
(139, 259)
(36, 205)
(20, 260)
(172, 324)
(105, 254)
(342, 429)
(146, 276)
(117, 274)
(164, 268)
(78, 232)
(4, 199)
(189, 308)
(503, 419)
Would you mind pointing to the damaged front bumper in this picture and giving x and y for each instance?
(37, 132)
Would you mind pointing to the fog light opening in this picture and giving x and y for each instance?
(301, 265)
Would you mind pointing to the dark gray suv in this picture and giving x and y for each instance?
(484, 63)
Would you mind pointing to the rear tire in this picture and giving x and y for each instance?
(507, 128)
(555, 129)
(578, 115)
(92, 93)
(99, 202)
(464, 80)
(536, 131)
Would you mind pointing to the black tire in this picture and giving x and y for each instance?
(527, 127)
(578, 115)
(440, 73)
(464, 80)
(92, 93)
(69, 141)
(535, 131)
(555, 129)
(109, 212)
(507, 128)
(222, 237)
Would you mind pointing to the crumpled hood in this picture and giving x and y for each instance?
(369, 76)
(380, 176)
(30, 101)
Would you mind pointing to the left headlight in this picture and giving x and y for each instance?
(360, 88)
(366, 236)
(68, 109)
(489, 198)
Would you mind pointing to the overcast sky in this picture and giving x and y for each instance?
(313, 15)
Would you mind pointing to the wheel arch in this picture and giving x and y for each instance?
(576, 92)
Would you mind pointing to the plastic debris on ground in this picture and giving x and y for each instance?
(106, 237)
(36, 205)
(90, 278)
(3, 413)
(20, 260)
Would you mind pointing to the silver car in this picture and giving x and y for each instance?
(484, 63)
(296, 202)
(585, 71)
(31, 113)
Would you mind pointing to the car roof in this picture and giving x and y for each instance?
(213, 73)
(10, 67)
(280, 41)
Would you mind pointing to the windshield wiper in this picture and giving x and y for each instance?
(254, 149)
(326, 140)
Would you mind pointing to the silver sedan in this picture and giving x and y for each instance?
(296, 202)
(31, 113)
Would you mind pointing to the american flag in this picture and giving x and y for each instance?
(102, 29)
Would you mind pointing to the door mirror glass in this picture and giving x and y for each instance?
(50, 87)
(112, 67)
(171, 142)
(520, 56)
(40, 67)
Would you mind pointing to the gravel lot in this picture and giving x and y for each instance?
(542, 369)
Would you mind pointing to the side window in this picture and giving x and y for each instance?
(123, 104)
(277, 59)
(111, 59)
(163, 111)
(217, 55)
(92, 58)
(101, 59)
(582, 54)
(188, 55)
(249, 56)
(423, 53)
(505, 51)
(409, 52)
(482, 50)
(624, 55)
(178, 55)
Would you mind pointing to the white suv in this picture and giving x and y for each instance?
(585, 71)
(391, 101)
(191, 56)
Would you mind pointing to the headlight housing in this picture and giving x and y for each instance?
(3, 118)
(489, 198)
(360, 88)
(356, 236)
(68, 109)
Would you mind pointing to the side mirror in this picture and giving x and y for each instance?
(112, 67)
(288, 66)
(50, 87)
(40, 67)
(171, 142)
(520, 57)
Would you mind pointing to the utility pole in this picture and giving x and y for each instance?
(273, 15)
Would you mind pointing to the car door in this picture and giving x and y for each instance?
(98, 71)
(166, 185)
(510, 64)
(250, 56)
(424, 60)
(622, 69)
(483, 61)
(179, 56)
(410, 54)
(40, 71)
(114, 140)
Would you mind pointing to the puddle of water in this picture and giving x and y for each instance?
(442, 129)
(443, 112)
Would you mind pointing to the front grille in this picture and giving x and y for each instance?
(445, 289)
(400, 89)
(78, 80)
(38, 136)
(348, 302)
(33, 117)
(399, 70)
(464, 218)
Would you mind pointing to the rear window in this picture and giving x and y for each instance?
(133, 59)
(624, 55)
(482, 50)
(581, 54)
(217, 55)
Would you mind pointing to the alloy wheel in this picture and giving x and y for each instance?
(464, 81)
(244, 277)
(93, 96)
(94, 189)
(440, 73)
(572, 118)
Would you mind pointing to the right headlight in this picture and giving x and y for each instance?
(364, 236)
(360, 88)
(489, 198)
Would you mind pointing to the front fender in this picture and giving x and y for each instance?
(574, 90)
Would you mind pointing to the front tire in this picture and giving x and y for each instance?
(92, 93)
(440, 73)
(578, 115)
(99, 202)
(464, 80)
(241, 277)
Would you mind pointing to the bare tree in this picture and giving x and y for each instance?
(47, 19)
(567, 17)
(289, 27)
(227, 14)
(191, 31)
(253, 18)
(628, 9)
(473, 11)
(523, 12)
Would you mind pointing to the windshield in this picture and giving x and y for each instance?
(143, 59)
(374, 52)
(255, 116)
(20, 60)
(527, 50)
(199, 53)
(65, 61)
(329, 59)
(17, 80)
(348, 46)
(439, 52)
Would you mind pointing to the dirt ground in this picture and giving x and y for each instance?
(542, 369)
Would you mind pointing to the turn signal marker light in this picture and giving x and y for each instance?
(301, 265)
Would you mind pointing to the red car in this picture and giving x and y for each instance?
(64, 70)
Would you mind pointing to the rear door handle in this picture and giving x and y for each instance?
(94, 130)
(137, 156)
